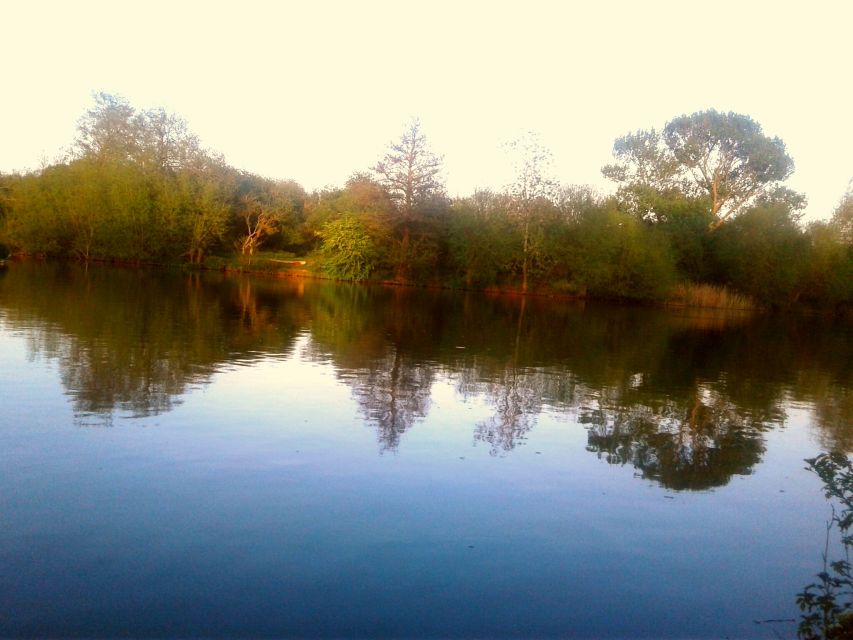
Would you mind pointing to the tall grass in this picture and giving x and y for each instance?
(708, 296)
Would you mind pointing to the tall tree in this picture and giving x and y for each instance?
(642, 159)
(649, 177)
(166, 141)
(729, 159)
(532, 191)
(722, 157)
(411, 173)
(110, 130)
(842, 217)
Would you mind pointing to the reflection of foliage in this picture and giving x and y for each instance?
(684, 400)
(682, 444)
(517, 401)
(834, 416)
(134, 341)
(393, 393)
(827, 605)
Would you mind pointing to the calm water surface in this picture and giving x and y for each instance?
(200, 456)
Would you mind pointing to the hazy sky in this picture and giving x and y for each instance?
(314, 91)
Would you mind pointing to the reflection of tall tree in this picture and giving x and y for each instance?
(515, 399)
(518, 392)
(393, 392)
(696, 442)
(381, 340)
(517, 402)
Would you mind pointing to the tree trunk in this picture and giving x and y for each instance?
(402, 271)
(525, 258)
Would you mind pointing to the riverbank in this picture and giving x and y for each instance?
(682, 295)
(269, 264)
(285, 265)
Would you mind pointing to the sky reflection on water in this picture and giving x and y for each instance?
(200, 456)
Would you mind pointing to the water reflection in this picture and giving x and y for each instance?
(517, 400)
(134, 341)
(686, 399)
(685, 443)
(393, 392)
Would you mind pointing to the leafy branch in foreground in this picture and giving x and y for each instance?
(828, 603)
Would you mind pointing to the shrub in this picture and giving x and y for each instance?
(347, 250)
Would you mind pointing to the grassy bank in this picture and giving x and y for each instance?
(707, 296)
(283, 264)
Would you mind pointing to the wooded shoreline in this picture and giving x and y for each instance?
(700, 217)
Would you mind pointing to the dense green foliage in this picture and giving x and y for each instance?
(701, 201)
(722, 157)
(348, 250)
(138, 187)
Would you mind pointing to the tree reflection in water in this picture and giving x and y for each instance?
(683, 398)
(135, 341)
(694, 445)
(517, 402)
(393, 393)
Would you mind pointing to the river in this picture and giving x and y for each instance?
(195, 455)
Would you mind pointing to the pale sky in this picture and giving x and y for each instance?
(314, 91)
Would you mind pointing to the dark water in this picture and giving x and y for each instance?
(195, 456)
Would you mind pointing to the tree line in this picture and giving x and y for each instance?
(700, 202)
